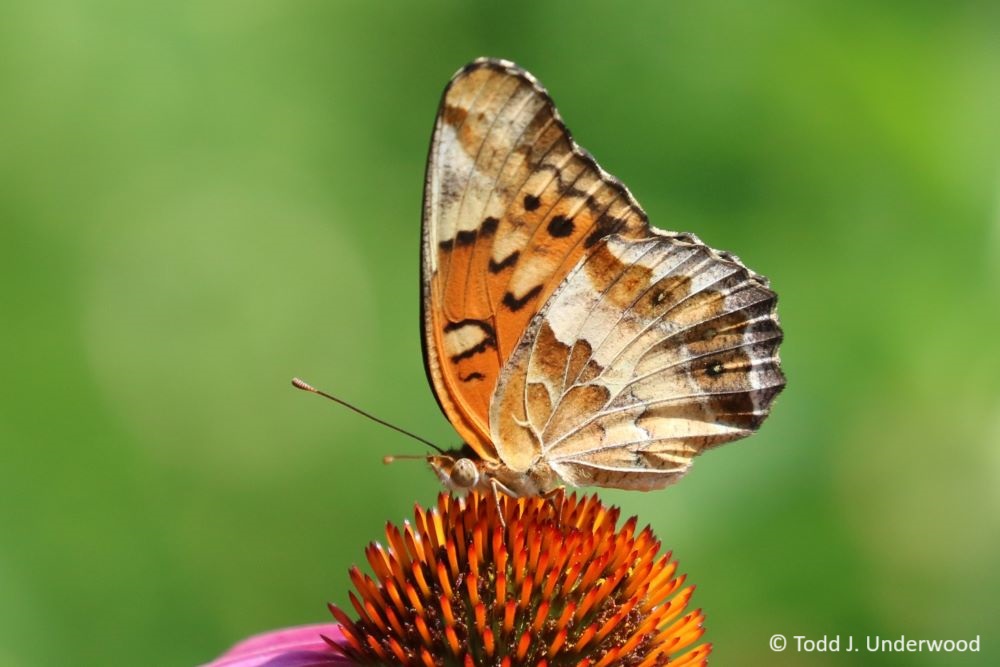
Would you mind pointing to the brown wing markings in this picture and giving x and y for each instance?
(503, 119)
(515, 224)
(513, 70)
(456, 115)
(476, 280)
(515, 304)
(464, 134)
(672, 282)
(612, 279)
(441, 194)
(632, 211)
(715, 364)
(511, 300)
(494, 266)
(453, 402)
(505, 263)
(768, 330)
(693, 399)
(498, 284)
(729, 397)
(639, 479)
(455, 405)
(509, 423)
(572, 244)
(668, 446)
(743, 362)
(469, 237)
(578, 400)
(678, 279)
(523, 148)
(577, 362)
(490, 102)
(703, 256)
(604, 271)
(468, 411)
(487, 338)
(549, 358)
(600, 264)
(647, 357)
(463, 242)
(669, 339)
(443, 218)
(760, 349)
(730, 405)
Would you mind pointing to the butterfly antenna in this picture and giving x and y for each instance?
(305, 386)
(391, 458)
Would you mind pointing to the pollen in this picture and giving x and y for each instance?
(479, 580)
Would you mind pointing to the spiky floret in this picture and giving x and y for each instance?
(552, 582)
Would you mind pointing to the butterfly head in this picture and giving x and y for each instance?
(462, 470)
(459, 469)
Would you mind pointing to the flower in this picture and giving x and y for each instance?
(303, 646)
(494, 580)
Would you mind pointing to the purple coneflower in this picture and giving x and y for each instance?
(486, 581)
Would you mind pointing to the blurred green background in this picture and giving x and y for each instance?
(199, 200)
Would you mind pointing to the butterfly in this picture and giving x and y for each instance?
(567, 340)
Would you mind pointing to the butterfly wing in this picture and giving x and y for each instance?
(651, 351)
(511, 204)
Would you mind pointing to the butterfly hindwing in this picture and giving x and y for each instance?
(651, 351)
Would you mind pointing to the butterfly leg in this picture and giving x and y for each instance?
(498, 488)
(557, 498)
(495, 485)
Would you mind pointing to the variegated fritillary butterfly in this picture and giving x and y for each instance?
(566, 339)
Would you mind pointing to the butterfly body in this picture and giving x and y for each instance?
(461, 472)
(567, 340)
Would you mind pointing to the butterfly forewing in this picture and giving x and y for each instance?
(510, 206)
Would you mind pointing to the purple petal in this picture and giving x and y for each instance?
(291, 647)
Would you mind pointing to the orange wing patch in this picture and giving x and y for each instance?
(511, 204)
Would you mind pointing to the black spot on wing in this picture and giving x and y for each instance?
(489, 226)
(531, 202)
(469, 236)
(606, 225)
(514, 303)
(508, 261)
(560, 226)
(475, 375)
(473, 351)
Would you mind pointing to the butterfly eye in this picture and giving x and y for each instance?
(464, 474)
